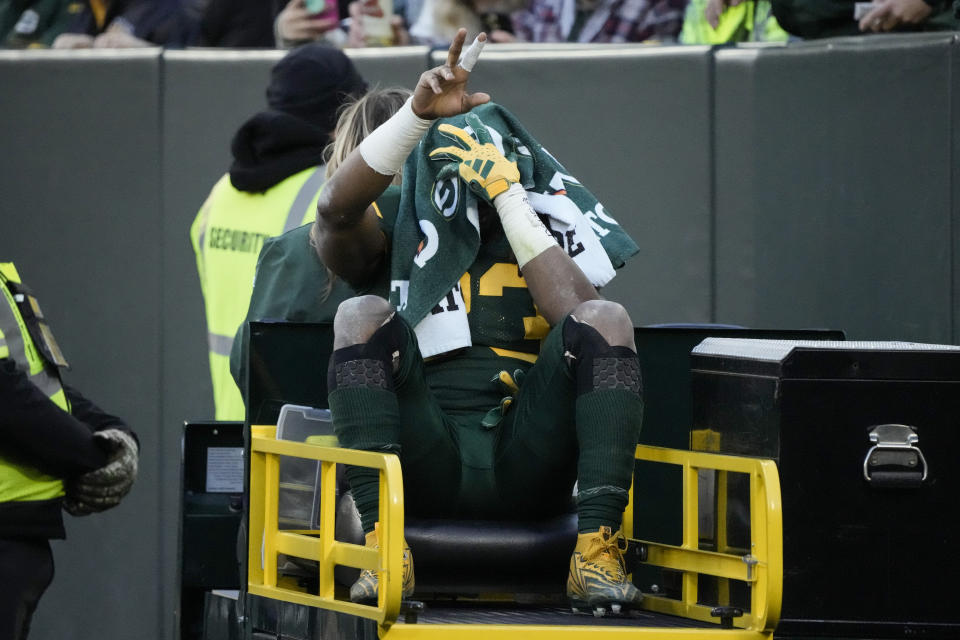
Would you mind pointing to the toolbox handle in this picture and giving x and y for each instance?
(894, 460)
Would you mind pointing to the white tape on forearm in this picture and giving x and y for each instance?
(387, 147)
(526, 233)
(469, 58)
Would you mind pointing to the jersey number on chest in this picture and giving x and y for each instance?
(492, 282)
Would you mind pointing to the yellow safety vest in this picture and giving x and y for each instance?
(227, 235)
(19, 482)
(749, 21)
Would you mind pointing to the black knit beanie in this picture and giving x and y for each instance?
(312, 81)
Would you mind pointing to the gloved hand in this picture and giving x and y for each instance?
(481, 166)
(103, 488)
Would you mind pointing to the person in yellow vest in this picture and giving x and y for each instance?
(58, 451)
(730, 21)
(271, 188)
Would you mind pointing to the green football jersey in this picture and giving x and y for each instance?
(500, 311)
(505, 328)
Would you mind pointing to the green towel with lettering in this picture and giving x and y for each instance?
(436, 236)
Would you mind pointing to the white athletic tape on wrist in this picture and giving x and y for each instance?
(469, 58)
(526, 233)
(387, 147)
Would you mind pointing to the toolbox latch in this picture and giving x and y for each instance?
(894, 460)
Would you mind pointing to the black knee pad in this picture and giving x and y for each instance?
(595, 364)
(368, 364)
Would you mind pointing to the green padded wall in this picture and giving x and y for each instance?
(207, 95)
(81, 218)
(955, 184)
(397, 67)
(833, 186)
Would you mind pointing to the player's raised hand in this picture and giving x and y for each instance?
(442, 91)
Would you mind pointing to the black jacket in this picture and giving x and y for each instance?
(36, 432)
(239, 23)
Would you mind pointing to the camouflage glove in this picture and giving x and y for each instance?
(103, 488)
(488, 172)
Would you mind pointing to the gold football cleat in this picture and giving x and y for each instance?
(598, 576)
(364, 590)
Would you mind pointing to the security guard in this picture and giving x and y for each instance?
(57, 451)
(271, 188)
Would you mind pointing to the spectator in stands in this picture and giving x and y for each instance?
(726, 21)
(236, 23)
(360, 12)
(429, 22)
(35, 24)
(127, 24)
(272, 187)
(827, 18)
(439, 20)
(600, 21)
(291, 283)
(282, 24)
(297, 24)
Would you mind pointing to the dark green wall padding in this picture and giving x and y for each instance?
(811, 185)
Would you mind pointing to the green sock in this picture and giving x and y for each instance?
(608, 426)
(366, 418)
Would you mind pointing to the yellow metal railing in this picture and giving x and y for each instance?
(761, 567)
(319, 545)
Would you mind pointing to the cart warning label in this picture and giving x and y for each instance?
(225, 470)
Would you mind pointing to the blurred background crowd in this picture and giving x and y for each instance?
(77, 24)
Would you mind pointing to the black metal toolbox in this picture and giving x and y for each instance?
(866, 436)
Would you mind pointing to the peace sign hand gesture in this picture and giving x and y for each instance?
(442, 91)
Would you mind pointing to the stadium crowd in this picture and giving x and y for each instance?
(75, 24)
